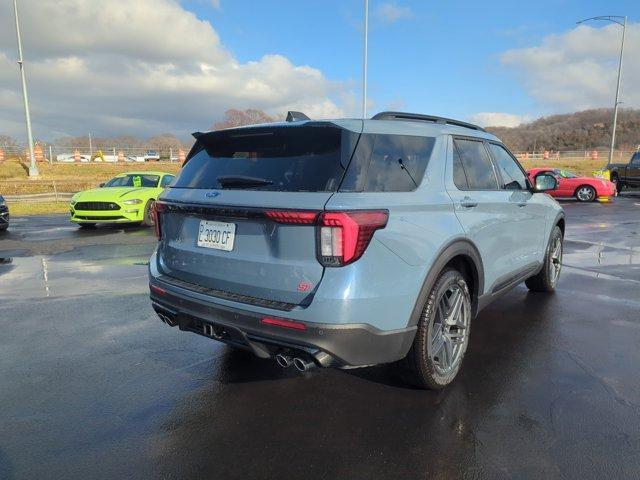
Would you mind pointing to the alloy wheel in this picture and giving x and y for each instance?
(450, 332)
(585, 194)
(555, 260)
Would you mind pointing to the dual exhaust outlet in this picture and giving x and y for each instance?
(172, 322)
(301, 364)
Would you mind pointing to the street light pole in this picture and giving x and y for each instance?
(615, 107)
(33, 169)
(623, 23)
(365, 60)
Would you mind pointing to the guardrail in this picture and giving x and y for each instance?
(41, 197)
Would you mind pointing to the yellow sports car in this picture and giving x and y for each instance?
(126, 198)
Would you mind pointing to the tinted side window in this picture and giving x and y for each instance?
(477, 164)
(397, 161)
(459, 177)
(636, 158)
(512, 176)
(166, 180)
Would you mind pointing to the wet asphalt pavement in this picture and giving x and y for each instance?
(93, 385)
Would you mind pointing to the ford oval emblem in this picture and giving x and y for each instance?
(212, 194)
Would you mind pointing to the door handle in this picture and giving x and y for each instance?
(468, 202)
(522, 204)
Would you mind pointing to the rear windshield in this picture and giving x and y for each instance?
(296, 158)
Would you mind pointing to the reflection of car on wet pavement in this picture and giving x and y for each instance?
(126, 198)
(343, 264)
(570, 185)
(4, 214)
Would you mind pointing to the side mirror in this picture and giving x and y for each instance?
(546, 182)
(102, 185)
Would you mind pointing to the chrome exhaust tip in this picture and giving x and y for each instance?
(303, 365)
(214, 331)
(284, 360)
(167, 319)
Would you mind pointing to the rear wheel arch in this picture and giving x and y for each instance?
(560, 223)
(462, 255)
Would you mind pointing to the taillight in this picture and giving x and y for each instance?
(156, 209)
(297, 217)
(344, 236)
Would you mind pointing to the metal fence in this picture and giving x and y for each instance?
(619, 156)
(55, 153)
(125, 153)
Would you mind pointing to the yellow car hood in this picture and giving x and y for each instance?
(109, 194)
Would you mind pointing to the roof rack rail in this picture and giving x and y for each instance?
(293, 116)
(424, 118)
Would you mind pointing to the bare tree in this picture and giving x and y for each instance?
(237, 118)
(7, 142)
(165, 142)
(573, 131)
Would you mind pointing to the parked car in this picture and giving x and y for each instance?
(151, 155)
(626, 174)
(126, 198)
(345, 243)
(583, 189)
(4, 214)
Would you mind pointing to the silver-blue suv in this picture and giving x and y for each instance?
(345, 243)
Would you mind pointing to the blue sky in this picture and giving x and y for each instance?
(437, 57)
(154, 66)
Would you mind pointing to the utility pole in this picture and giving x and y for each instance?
(90, 147)
(33, 168)
(365, 60)
(622, 21)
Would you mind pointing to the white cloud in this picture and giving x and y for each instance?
(578, 69)
(499, 119)
(392, 12)
(142, 68)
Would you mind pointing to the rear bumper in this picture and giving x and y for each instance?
(329, 345)
(607, 192)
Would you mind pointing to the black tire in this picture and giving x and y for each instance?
(147, 220)
(422, 367)
(547, 278)
(87, 225)
(585, 193)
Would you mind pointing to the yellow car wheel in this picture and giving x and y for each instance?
(147, 219)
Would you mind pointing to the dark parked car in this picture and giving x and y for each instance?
(4, 214)
(626, 174)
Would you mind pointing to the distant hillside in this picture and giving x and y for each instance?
(573, 131)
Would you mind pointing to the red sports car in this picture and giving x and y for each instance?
(584, 189)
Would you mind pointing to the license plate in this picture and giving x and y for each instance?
(218, 235)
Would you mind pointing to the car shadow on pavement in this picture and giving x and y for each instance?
(497, 326)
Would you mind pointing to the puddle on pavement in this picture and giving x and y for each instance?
(605, 260)
(70, 275)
